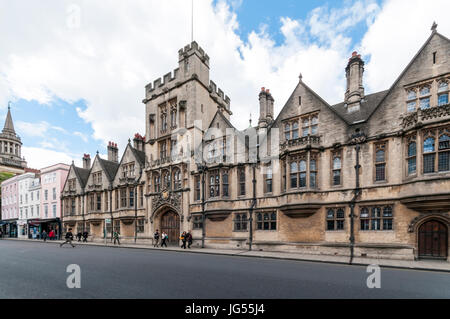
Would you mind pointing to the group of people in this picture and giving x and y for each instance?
(185, 237)
(51, 235)
(85, 235)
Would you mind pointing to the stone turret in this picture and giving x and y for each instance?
(355, 89)
(193, 61)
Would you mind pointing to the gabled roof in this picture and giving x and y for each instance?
(140, 156)
(407, 67)
(368, 106)
(82, 175)
(110, 168)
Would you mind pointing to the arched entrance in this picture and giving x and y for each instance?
(433, 240)
(170, 224)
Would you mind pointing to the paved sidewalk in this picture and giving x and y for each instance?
(431, 265)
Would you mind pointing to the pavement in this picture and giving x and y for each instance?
(429, 265)
(33, 269)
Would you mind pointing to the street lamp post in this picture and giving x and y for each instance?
(202, 169)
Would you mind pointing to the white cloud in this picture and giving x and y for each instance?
(37, 157)
(32, 129)
(82, 136)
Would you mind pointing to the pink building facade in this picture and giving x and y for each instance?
(52, 182)
(10, 207)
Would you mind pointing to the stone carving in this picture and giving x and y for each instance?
(166, 197)
(301, 141)
(425, 114)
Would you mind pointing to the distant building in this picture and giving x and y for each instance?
(25, 209)
(10, 207)
(11, 148)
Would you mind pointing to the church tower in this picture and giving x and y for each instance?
(11, 148)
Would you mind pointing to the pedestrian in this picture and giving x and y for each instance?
(164, 237)
(79, 236)
(51, 234)
(85, 236)
(156, 237)
(44, 235)
(116, 237)
(69, 238)
(189, 239)
(183, 240)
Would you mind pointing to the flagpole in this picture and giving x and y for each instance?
(192, 20)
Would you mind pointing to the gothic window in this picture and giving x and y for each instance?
(197, 222)
(380, 162)
(302, 176)
(411, 100)
(177, 178)
(335, 219)
(443, 93)
(214, 183)
(241, 180)
(123, 197)
(294, 172)
(240, 222)
(131, 198)
(197, 187)
(173, 117)
(376, 218)
(268, 181)
(314, 125)
(287, 131)
(444, 152)
(99, 201)
(305, 127)
(224, 149)
(337, 166)
(225, 189)
(163, 112)
(429, 155)
(266, 221)
(411, 159)
(312, 172)
(166, 179)
(424, 97)
(295, 130)
(157, 182)
(140, 225)
(162, 150)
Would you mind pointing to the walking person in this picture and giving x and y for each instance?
(51, 234)
(189, 239)
(116, 237)
(69, 238)
(44, 235)
(79, 236)
(164, 237)
(156, 237)
(183, 240)
(85, 236)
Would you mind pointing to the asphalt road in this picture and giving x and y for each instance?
(38, 270)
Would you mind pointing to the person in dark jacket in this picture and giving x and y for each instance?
(164, 238)
(69, 238)
(79, 236)
(85, 236)
(183, 238)
(156, 237)
(189, 239)
(44, 235)
(116, 237)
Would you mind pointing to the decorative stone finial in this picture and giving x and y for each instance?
(9, 105)
(434, 26)
(250, 120)
(300, 77)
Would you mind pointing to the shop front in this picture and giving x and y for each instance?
(22, 229)
(34, 228)
(52, 224)
(9, 229)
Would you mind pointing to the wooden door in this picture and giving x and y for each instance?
(433, 240)
(170, 224)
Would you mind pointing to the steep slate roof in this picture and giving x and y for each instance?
(82, 174)
(368, 106)
(109, 167)
(140, 156)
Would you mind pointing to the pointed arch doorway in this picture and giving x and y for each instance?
(433, 240)
(170, 224)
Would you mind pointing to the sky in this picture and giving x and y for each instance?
(75, 70)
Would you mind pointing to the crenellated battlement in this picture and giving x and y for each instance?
(161, 82)
(193, 48)
(218, 95)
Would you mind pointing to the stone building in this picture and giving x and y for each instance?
(369, 176)
(11, 160)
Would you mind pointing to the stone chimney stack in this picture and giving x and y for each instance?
(269, 111)
(87, 161)
(262, 108)
(113, 152)
(355, 89)
(138, 142)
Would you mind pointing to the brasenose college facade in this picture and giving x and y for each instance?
(367, 177)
